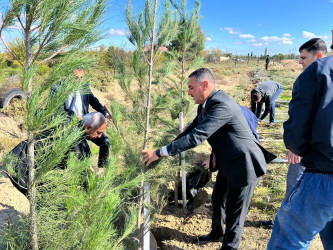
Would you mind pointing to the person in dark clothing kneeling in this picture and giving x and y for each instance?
(266, 93)
(93, 124)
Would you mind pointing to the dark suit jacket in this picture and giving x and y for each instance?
(238, 155)
(19, 161)
(89, 98)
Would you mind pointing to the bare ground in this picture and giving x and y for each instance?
(175, 228)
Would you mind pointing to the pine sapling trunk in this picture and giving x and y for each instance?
(31, 147)
(146, 185)
(28, 51)
(32, 192)
(183, 74)
(151, 64)
(181, 155)
(31, 187)
(149, 93)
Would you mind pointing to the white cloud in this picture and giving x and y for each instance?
(307, 34)
(271, 38)
(118, 32)
(251, 40)
(257, 44)
(230, 30)
(286, 42)
(281, 40)
(208, 38)
(246, 36)
(286, 34)
(238, 43)
(16, 25)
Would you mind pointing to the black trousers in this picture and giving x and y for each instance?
(230, 205)
(104, 144)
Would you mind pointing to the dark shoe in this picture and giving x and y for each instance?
(199, 199)
(206, 239)
(267, 224)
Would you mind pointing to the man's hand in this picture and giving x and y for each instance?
(181, 130)
(205, 164)
(110, 118)
(109, 114)
(292, 158)
(149, 156)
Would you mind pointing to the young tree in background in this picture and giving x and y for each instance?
(189, 41)
(50, 27)
(150, 35)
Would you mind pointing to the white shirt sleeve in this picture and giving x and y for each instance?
(165, 151)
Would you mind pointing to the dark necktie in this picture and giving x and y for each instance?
(202, 112)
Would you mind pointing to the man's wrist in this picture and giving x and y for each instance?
(158, 152)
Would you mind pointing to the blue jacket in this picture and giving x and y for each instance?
(251, 120)
(309, 130)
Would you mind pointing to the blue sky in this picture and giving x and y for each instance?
(241, 26)
(245, 26)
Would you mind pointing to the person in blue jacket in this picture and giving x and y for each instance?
(308, 133)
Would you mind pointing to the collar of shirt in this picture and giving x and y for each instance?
(204, 105)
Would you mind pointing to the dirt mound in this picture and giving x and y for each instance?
(291, 64)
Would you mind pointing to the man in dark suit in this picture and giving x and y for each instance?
(78, 104)
(267, 62)
(93, 124)
(238, 156)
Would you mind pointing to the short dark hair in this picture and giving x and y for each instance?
(256, 96)
(314, 46)
(332, 46)
(202, 74)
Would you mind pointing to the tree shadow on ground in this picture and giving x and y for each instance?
(8, 217)
(164, 233)
(259, 224)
